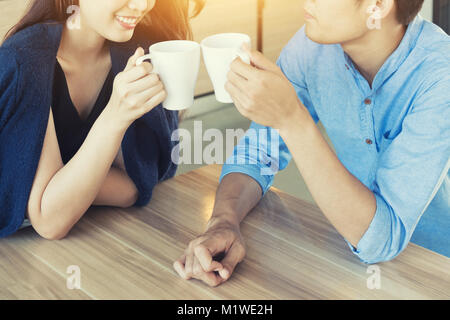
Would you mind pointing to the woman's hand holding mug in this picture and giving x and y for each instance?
(136, 91)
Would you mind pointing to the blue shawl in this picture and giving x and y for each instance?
(27, 64)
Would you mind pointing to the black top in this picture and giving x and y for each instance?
(26, 85)
(71, 130)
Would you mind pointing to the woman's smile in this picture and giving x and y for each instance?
(127, 22)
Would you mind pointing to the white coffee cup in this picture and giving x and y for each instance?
(177, 63)
(219, 51)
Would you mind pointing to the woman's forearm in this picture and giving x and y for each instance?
(73, 189)
(118, 190)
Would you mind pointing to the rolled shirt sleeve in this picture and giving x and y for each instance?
(410, 166)
(410, 172)
(260, 154)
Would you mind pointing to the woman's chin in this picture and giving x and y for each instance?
(121, 36)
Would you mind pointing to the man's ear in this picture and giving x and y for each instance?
(379, 10)
(385, 7)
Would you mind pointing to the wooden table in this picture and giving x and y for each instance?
(292, 253)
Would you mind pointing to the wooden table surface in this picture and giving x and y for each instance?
(292, 253)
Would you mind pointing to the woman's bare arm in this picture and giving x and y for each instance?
(60, 194)
(118, 190)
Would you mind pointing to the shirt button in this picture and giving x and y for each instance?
(368, 141)
(367, 101)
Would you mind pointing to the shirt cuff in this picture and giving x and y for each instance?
(370, 246)
(253, 171)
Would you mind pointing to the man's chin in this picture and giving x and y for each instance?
(317, 38)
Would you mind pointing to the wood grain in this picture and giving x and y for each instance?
(292, 253)
(25, 276)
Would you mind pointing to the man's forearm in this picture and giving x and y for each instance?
(236, 196)
(347, 203)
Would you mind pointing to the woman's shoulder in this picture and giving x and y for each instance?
(30, 49)
(28, 37)
(38, 37)
(8, 66)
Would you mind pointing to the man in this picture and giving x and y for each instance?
(378, 77)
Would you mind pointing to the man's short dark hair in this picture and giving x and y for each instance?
(407, 10)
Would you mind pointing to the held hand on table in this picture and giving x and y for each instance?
(136, 91)
(198, 259)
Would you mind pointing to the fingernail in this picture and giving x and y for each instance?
(225, 274)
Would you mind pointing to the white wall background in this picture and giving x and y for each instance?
(427, 10)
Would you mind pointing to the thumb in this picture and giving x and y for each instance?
(205, 252)
(234, 256)
(132, 60)
(259, 61)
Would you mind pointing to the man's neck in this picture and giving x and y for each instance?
(371, 51)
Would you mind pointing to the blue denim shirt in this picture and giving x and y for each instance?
(394, 136)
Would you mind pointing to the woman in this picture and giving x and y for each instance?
(79, 124)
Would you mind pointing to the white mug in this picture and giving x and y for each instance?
(219, 51)
(177, 63)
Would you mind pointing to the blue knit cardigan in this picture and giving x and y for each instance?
(27, 64)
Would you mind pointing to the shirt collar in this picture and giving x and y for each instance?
(395, 60)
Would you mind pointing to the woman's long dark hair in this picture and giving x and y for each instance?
(168, 20)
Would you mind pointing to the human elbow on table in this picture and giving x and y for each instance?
(117, 190)
(213, 256)
(88, 178)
